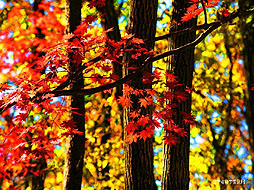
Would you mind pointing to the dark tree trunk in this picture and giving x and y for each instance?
(76, 143)
(176, 159)
(139, 156)
(247, 30)
(109, 20)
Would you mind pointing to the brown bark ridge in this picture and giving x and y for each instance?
(139, 156)
(176, 158)
(247, 31)
(75, 143)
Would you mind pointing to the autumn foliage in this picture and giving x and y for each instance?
(36, 85)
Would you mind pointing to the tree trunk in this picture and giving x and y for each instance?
(76, 143)
(247, 30)
(176, 158)
(139, 156)
(109, 19)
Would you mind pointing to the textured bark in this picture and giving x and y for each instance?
(247, 30)
(109, 20)
(176, 159)
(139, 156)
(76, 143)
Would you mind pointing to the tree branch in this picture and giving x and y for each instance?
(204, 9)
(130, 76)
(60, 92)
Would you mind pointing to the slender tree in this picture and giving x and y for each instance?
(139, 155)
(76, 143)
(109, 20)
(176, 158)
(247, 30)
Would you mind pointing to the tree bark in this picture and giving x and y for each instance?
(109, 19)
(247, 30)
(139, 156)
(76, 143)
(176, 158)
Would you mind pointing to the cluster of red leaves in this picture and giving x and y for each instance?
(27, 139)
(24, 140)
(96, 3)
(196, 9)
(45, 71)
(164, 105)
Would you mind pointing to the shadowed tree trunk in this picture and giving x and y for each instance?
(109, 19)
(75, 143)
(176, 159)
(139, 156)
(247, 30)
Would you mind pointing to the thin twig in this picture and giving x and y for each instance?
(204, 9)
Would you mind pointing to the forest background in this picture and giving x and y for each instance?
(33, 142)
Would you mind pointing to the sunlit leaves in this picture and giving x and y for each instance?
(218, 119)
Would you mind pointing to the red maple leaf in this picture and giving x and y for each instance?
(188, 90)
(134, 114)
(147, 77)
(125, 101)
(180, 131)
(180, 96)
(137, 41)
(143, 121)
(127, 90)
(148, 133)
(131, 137)
(170, 139)
(143, 102)
(188, 118)
(68, 124)
(225, 12)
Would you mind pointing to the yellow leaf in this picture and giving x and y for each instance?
(91, 169)
(104, 163)
(59, 177)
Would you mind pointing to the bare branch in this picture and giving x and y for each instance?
(204, 9)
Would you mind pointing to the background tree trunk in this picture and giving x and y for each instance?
(139, 156)
(176, 159)
(247, 30)
(76, 143)
(109, 19)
